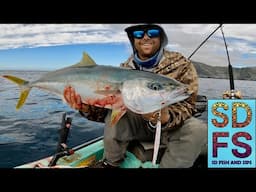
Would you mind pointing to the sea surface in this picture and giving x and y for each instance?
(32, 132)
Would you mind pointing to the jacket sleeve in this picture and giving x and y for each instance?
(185, 72)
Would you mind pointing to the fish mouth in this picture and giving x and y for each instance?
(182, 92)
(177, 96)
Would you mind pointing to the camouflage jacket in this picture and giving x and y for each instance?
(173, 65)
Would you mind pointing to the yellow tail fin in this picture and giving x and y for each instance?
(25, 89)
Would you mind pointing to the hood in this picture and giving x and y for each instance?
(163, 36)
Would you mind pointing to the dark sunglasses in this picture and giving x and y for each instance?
(139, 34)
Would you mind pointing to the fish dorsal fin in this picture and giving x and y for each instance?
(85, 61)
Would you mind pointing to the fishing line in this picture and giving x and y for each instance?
(230, 68)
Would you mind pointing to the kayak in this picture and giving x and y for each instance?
(85, 155)
(138, 155)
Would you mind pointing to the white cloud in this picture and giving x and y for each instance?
(18, 35)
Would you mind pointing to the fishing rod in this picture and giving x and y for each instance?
(157, 71)
(230, 68)
(63, 132)
(204, 41)
(62, 148)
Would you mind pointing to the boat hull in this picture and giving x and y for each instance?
(86, 156)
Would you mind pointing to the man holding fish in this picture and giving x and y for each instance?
(183, 134)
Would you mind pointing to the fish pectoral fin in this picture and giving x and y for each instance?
(116, 116)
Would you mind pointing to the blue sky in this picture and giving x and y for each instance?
(54, 46)
(56, 57)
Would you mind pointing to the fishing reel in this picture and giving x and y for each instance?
(62, 148)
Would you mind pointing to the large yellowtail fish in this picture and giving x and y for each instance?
(109, 87)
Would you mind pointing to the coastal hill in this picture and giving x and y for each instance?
(207, 71)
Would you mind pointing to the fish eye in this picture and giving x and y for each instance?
(155, 86)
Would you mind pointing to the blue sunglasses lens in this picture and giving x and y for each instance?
(138, 34)
(153, 33)
(150, 33)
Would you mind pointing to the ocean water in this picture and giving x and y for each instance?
(33, 132)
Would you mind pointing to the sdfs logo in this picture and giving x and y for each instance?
(231, 133)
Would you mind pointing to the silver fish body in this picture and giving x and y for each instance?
(110, 87)
(142, 92)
